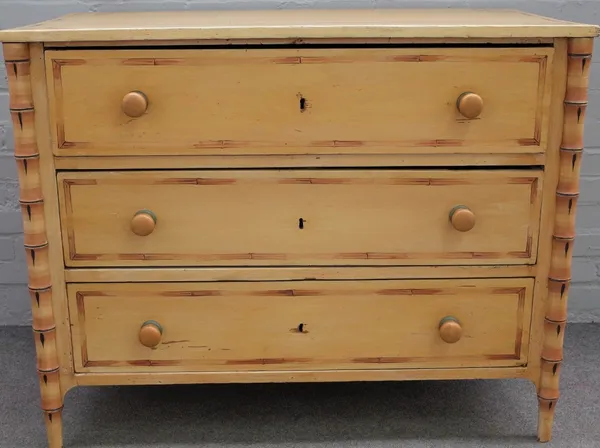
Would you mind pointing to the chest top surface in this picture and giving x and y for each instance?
(377, 23)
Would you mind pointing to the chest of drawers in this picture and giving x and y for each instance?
(277, 196)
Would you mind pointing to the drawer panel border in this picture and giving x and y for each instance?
(57, 59)
(523, 287)
(527, 255)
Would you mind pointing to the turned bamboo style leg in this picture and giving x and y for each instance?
(27, 157)
(567, 193)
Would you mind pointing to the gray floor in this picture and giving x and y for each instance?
(407, 414)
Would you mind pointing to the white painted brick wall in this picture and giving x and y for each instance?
(585, 292)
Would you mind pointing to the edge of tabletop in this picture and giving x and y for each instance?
(81, 27)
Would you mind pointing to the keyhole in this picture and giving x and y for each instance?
(302, 104)
(301, 328)
(301, 223)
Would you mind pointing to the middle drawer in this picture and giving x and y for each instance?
(299, 217)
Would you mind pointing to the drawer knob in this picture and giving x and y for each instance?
(135, 104)
(450, 330)
(143, 222)
(469, 105)
(151, 333)
(462, 218)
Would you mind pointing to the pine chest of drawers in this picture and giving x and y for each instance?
(298, 195)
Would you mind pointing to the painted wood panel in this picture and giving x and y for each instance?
(300, 325)
(300, 217)
(298, 101)
(298, 24)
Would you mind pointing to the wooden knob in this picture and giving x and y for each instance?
(135, 104)
(469, 105)
(143, 222)
(450, 330)
(151, 333)
(462, 218)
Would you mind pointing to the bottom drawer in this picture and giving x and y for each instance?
(300, 325)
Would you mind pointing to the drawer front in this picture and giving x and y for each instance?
(301, 325)
(282, 101)
(299, 217)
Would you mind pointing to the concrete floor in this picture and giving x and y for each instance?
(403, 414)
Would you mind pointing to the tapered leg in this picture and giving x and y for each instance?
(54, 428)
(548, 393)
(545, 419)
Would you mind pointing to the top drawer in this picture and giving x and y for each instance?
(282, 101)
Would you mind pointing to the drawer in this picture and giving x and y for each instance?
(300, 325)
(286, 101)
(299, 217)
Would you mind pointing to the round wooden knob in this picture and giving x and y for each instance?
(462, 218)
(151, 333)
(135, 104)
(469, 105)
(143, 222)
(450, 330)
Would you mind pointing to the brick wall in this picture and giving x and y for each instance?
(585, 292)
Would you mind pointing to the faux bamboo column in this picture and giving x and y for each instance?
(567, 193)
(27, 157)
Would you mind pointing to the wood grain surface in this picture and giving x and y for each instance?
(308, 325)
(286, 217)
(298, 24)
(297, 101)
